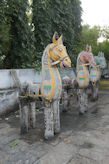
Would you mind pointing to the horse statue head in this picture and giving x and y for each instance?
(100, 60)
(58, 53)
(87, 56)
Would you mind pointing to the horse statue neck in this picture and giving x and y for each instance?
(55, 53)
(86, 58)
(51, 81)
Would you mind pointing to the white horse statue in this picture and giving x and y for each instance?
(50, 90)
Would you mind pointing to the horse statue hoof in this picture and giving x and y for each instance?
(64, 110)
(81, 113)
(49, 136)
(57, 131)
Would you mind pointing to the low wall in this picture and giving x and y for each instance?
(9, 87)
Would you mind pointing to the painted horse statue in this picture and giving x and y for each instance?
(69, 88)
(50, 91)
(95, 74)
(85, 62)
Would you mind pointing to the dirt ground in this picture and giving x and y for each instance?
(82, 140)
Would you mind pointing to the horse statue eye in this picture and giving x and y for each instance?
(60, 50)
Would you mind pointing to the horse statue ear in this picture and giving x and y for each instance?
(102, 54)
(88, 48)
(99, 54)
(56, 39)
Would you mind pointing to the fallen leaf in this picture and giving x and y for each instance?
(41, 140)
(15, 143)
(67, 141)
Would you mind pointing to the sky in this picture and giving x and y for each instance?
(95, 12)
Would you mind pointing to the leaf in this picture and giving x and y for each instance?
(67, 141)
(15, 143)
(1, 119)
(41, 140)
(37, 110)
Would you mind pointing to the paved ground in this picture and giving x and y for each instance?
(83, 139)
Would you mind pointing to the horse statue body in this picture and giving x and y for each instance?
(85, 61)
(50, 89)
(80, 80)
(95, 74)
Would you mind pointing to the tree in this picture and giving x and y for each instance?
(63, 16)
(104, 47)
(19, 38)
(105, 32)
(89, 36)
(42, 28)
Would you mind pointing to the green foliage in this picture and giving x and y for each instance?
(105, 32)
(27, 27)
(16, 37)
(56, 15)
(104, 47)
(89, 36)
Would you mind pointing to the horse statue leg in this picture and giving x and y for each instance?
(83, 100)
(32, 114)
(48, 120)
(51, 119)
(86, 100)
(94, 91)
(27, 108)
(27, 114)
(56, 116)
(64, 100)
(24, 115)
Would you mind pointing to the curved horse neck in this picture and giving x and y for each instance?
(45, 58)
(47, 61)
(79, 61)
(50, 74)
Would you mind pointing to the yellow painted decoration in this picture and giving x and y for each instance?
(51, 82)
(82, 76)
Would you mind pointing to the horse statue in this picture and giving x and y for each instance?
(85, 62)
(49, 91)
(89, 69)
(69, 88)
(95, 74)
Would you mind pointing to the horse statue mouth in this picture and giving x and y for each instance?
(63, 65)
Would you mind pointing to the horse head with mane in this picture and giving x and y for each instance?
(100, 60)
(58, 52)
(87, 56)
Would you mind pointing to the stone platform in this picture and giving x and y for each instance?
(82, 140)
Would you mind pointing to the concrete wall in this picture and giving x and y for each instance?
(9, 89)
